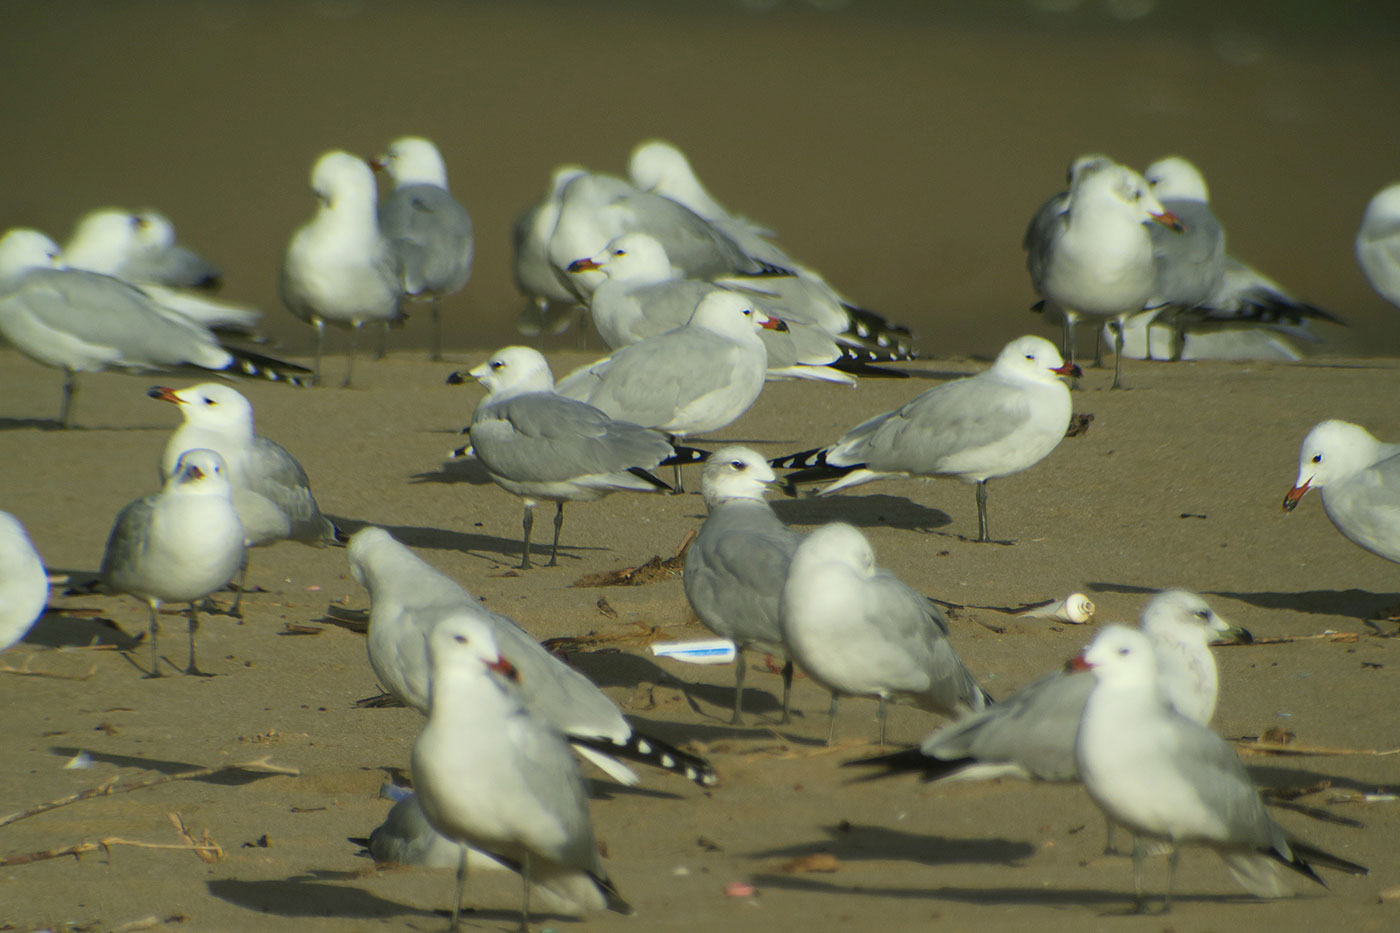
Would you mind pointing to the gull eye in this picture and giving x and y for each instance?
(209, 401)
(1124, 652)
(496, 364)
(748, 312)
(1031, 357)
(1203, 614)
(1317, 458)
(460, 639)
(736, 464)
(619, 252)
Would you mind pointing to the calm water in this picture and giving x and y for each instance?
(898, 147)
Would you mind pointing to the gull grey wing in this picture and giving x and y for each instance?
(127, 541)
(432, 236)
(546, 438)
(274, 473)
(1190, 262)
(734, 572)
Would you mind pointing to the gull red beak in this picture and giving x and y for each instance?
(165, 394)
(505, 669)
(774, 323)
(377, 165)
(194, 472)
(1169, 220)
(1068, 369)
(1290, 501)
(1077, 665)
(583, 265)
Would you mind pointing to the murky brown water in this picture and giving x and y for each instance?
(898, 147)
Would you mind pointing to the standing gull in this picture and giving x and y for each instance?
(24, 586)
(1168, 777)
(1378, 244)
(408, 598)
(339, 268)
(270, 489)
(429, 231)
(1001, 421)
(857, 630)
(1095, 258)
(491, 776)
(539, 445)
(178, 545)
(737, 564)
(1360, 481)
(85, 322)
(695, 379)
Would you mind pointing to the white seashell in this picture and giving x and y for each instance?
(1076, 608)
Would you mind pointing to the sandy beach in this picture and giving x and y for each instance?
(900, 149)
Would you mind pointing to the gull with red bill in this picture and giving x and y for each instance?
(1095, 258)
(1168, 777)
(1359, 479)
(1000, 421)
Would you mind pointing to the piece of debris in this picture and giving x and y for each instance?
(817, 861)
(1079, 424)
(606, 608)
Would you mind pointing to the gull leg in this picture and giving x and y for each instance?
(982, 512)
(154, 606)
(320, 326)
(1139, 856)
(1110, 845)
(1171, 876)
(1067, 336)
(1117, 326)
(525, 896)
(193, 668)
(436, 347)
(236, 610)
(1098, 348)
(350, 355)
(558, 525)
(381, 348)
(787, 692)
(527, 523)
(461, 886)
(70, 393)
(880, 714)
(831, 715)
(741, 667)
(677, 486)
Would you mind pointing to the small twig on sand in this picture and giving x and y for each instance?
(80, 849)
(206, 848)
(108, 788)
(24, 671)
(1247, 745)
(1342, 638)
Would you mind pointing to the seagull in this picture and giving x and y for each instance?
(407, 838)
(339, 268)
(697, 378)
(429, 230)
(1199, 285)
(737, 564)
(409, 598)
(535, 276)
(1095, 259)
(24, 585)
(1166, 776)
(1360, 481)
(1378, 244)
(85, 322)
(178, 545)
(119, 243)
(857, 630)
(1000, 421)
(537, 444)
(1030, 734)
(491, 776)
(271, 491)
(643, 296)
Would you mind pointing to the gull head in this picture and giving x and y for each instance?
(656, 165)
(1333, 451)
(154, 230)
(732, 315)
(103, 240)
(201, 472)
(1175, 177)
(23, 249)
(1035, 358)
(513, 371)
(735, 473)
(1127, 191)
(1086, 165)
(1119, 655)
(211, 405)
(462, 645)
(836, 544)
(1184, 615)
(631, 257)
(364, 545)
(412, 160)
(341, 179)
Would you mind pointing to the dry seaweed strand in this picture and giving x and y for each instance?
(108, 788)
(653, 571)
(78, 850)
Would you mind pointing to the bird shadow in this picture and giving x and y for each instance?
(460, 470)
(487, 547)
(232, 777)
(853, 842)
(30, 424)
(996, 896)
(1354, 602)
(863, 511)
(56, 629)
(310, 896)
(1283, 777)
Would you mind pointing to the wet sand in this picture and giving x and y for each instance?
(900, 150)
